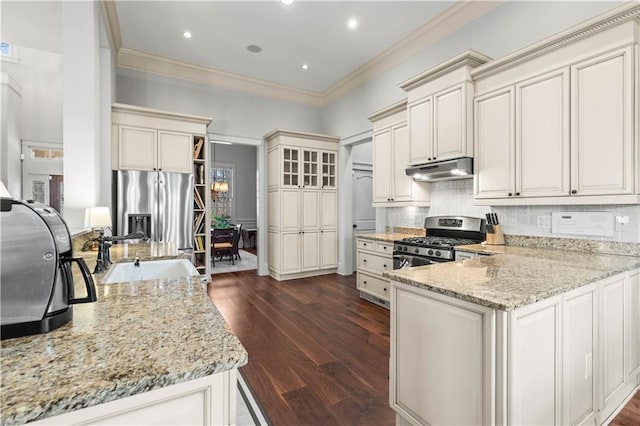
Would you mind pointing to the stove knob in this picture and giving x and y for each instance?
(438, 253)
(430, 252)
(417, 251)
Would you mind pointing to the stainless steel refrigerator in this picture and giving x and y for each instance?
(160, 204)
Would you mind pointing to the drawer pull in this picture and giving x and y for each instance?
(364, 282)
(364, 260)
(385, 266)
(385, 289)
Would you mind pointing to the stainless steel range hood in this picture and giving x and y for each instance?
(459, 168)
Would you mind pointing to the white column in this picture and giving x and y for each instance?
(345, 211)
(81, 109)
(9, 135)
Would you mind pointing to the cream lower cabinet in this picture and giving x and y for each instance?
(569, 359)
(391, 156)
(374, 258)
(302, 204)
(209, 400)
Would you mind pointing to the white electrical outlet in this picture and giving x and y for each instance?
(622, 223)
(544, 222)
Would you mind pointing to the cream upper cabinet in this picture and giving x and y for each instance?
(576, 118)
(440, 103)
(302, 204)
(602, 124)
(391, 156)
(542, 135)
(495, 144)
(522, 139)
(137, 148)
(175, 152)
(421, 131)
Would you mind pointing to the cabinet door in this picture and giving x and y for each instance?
(494, 144)
(329, 163)
(290, 167)
(382, 167)
(633, 320)
(401, 156)
(602, 125)
(290, 258)
(580, 355)
(449, 136)
(175, 152)
(329, 210)
(310, 210)
(328, 249)
(290, 210)
(275, 253)
(534, 346)
(612, 345)
(137, 149)
(542, 136)
(420, 131)
(441, 354)
(310, 253)
(310, 168)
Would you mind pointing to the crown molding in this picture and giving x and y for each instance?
(149, 62)
(303, 135)
(356, 138)
(11, 83)
(447, 22)
(388, 110)
(151, 112)
(619, 15)
(113, 24)
(450, 20)
(468, 58)
(234, 139)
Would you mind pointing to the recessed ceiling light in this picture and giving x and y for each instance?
(353, 23)
(286, 1)
(305, 66)
(254, 48)
(186, 34)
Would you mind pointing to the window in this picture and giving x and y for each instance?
(222, 192)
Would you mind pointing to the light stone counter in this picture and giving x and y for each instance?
(514, 276)
(388, 237)
(137, 337)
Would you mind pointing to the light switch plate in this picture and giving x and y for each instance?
(595, 224)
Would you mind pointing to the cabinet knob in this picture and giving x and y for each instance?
(428, 159)
(159, 170)
(364, 282)
(510, 194)
(385, 289)
(364, 260)
(154, 169)
(435, 158)
(384, 266)
(574, 191)
(517, 194)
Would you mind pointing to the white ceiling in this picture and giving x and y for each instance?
(312, 32)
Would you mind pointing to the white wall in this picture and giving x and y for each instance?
(10, 98)
(233, 113)
(243, 158)
(508, 27)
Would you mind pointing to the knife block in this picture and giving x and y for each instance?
(497, 237)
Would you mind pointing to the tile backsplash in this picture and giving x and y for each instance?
(455, 197)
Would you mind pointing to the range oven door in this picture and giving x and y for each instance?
(403, 261)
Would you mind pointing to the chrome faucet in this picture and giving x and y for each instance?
(105, 243)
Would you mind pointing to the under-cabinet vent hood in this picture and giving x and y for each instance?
(459, 168)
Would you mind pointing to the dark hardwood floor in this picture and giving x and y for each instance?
(318, 355)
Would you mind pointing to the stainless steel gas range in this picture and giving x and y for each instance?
(442, 234)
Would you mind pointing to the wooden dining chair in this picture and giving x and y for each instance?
(237, 232)
(222, 243)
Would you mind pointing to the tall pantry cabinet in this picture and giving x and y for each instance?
(302, 204)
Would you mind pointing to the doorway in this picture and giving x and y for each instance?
(42, 173)
(364, 215)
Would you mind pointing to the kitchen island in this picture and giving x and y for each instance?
(148, 351)
(524, 336)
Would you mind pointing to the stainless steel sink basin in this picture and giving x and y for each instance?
(149, 270)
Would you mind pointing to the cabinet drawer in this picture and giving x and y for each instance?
(373, 285)
(366, 244)
(374, 263)
(384, 248)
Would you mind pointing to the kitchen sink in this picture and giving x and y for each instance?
(149, 270)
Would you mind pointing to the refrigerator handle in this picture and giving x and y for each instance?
(160, 207)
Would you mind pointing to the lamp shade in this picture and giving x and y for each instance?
(97, 217)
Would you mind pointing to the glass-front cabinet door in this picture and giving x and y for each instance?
(329, 170)
(290, 167)
(310, 173)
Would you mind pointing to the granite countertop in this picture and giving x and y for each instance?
(137, 337)
(388, 237)
(514, 276)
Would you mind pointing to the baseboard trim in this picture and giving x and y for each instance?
(285, 277)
